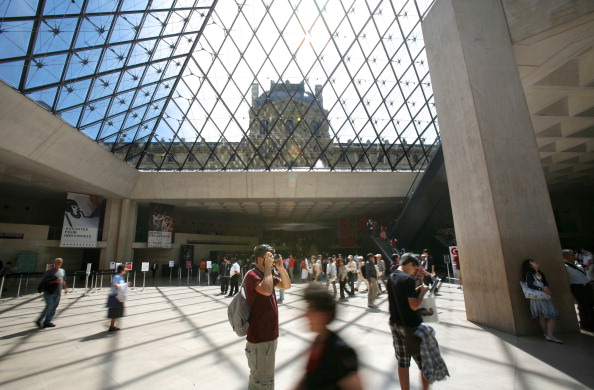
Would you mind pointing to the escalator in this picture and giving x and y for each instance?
(427, 213)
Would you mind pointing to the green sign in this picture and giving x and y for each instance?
(26, 262)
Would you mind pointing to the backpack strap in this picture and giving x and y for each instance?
(255, 299)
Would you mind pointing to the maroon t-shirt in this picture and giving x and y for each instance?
(264, 323)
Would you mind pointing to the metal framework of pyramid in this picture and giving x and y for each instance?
(168, 84)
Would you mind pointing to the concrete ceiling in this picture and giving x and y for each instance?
(557, 71)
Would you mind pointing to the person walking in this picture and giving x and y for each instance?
(54, 280)
(291, 266)
(581, 289)
(214, 272)
(332, 363)
(370, 273)
(343, 279)
(115, 301)
(429, 266)
(381, 267)
(360, 276)
(235, 274)
(154, 268)
(305, 270)
(225, 274)
(263, 330)
(351, 267)
(281, 292)
(331, 274)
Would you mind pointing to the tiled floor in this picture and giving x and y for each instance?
(178, 337)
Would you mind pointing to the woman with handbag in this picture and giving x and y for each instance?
(117, 296)
(541, 307)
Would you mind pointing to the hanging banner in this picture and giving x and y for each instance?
(160, 226)
(346, 233)
(82, 215)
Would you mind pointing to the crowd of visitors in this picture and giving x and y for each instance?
(334, 279)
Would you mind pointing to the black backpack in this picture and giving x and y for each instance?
(46, 286)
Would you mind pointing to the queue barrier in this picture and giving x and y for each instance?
(96, 277)
(96, 280)
(20, 276)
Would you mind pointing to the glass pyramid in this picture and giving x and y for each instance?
(231, 84)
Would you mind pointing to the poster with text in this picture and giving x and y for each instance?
(82, 214)
(160, 226)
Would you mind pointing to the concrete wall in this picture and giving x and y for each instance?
(50, 149)
(265, 185)
(18, 210)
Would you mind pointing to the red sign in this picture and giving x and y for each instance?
(129, 266)
(188, 264)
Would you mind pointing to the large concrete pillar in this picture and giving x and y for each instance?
(119, 229)
(500, 202)
(126, 232)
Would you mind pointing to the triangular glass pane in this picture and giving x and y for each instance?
(135, 116)
(115, 57)
(11, 72)
(113, 124)
(144, 95)
(134, 5)
(104, 86)
(92, 131)
(44, 97)
(83, 63)
(55, 35)
(126, 27)
(71, 116)
(73, 94)
(14, 38)
(94, 111)
(45, 70)
(101, 6)
(121, 103)
(162, 4)
(94, 31)
(61, 7)
(153, 24)
(130, 79)
(18, 8)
